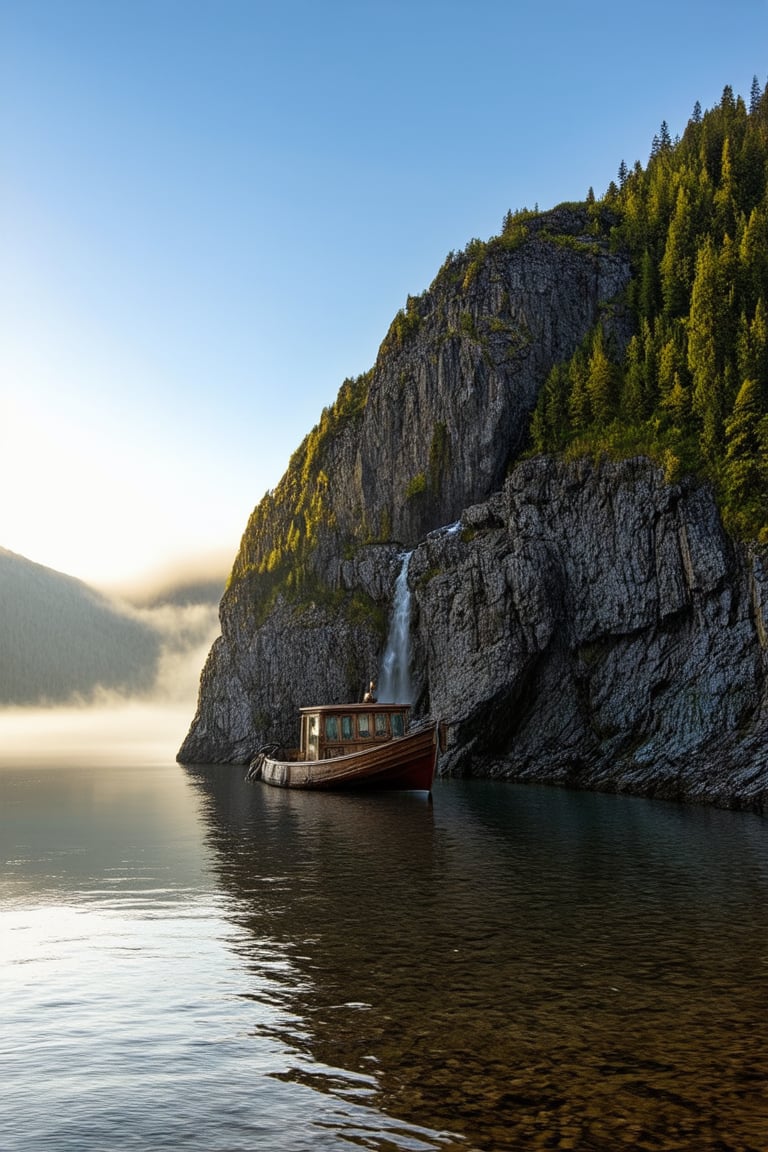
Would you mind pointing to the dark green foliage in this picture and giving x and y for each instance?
(428, 484)
(405, 325)
(439, 452)
(417, 486)
(691, 387)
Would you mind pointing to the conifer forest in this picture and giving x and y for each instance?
(691, 388)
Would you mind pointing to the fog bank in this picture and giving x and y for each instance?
(63, 642)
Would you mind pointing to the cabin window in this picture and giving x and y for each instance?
(331, 727)
(397, 724)
(346, 728)
(312, 744)
(381, 723)
(364, 726)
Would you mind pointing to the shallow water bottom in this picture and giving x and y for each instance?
(190, 961)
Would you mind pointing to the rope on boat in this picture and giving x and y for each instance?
(257, 763)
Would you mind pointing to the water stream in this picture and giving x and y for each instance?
(395, 678)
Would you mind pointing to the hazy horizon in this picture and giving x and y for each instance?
(151, 724)
(183, 635)
(161, 576)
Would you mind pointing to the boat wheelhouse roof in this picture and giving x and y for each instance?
(354, 708)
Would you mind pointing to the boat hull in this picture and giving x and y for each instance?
(406, 763)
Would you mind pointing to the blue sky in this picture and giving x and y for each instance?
(210, 211)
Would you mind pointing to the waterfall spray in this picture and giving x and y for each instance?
(395, 677)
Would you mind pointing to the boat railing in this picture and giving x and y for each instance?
(440, 726)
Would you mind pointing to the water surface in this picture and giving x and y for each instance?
(190, 961)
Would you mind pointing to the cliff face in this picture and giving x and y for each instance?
(258, 676)
(448, 403)
(451, 397)
(587, 626)
(594, 627)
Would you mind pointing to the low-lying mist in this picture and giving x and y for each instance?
(111, 727)
(90, 677)
(185, 634)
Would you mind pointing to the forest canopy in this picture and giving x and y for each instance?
(691, 388)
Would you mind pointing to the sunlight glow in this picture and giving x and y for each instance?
(114, 733)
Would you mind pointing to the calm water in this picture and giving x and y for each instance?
(189, 961)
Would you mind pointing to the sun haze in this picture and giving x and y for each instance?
(211, 212)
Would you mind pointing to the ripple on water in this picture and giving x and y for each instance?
(188, 961)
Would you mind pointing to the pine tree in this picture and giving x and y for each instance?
(745, 471)
(579, 411)
(753, 257)
(648, 293)
(539, 432)
(725, 196)
(757, 363)
(677, 403)
(599, 382)
(549, 426)
(677, 262)
(556, 405)
(671, 365)
(632, 406)
(754, 96)
(703, 358)
(728, 283)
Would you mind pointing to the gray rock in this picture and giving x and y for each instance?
(591, 626)
(608, 635)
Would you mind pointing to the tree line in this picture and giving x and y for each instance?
(691, 387)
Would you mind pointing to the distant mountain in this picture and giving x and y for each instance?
(61, 640)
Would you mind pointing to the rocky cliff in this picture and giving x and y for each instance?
(585, 625)
(594, 627)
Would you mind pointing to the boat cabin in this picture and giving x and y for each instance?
(338, 729)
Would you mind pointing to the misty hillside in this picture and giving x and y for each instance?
(180, 592)
(60, 639)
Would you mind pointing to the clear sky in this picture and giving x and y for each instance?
(210, 211)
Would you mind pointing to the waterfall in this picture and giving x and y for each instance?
(395, 677)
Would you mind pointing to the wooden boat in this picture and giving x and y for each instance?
(353, 746)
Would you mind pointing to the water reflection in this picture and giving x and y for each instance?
(528, 967)
(136, 1003)
(521, 967)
